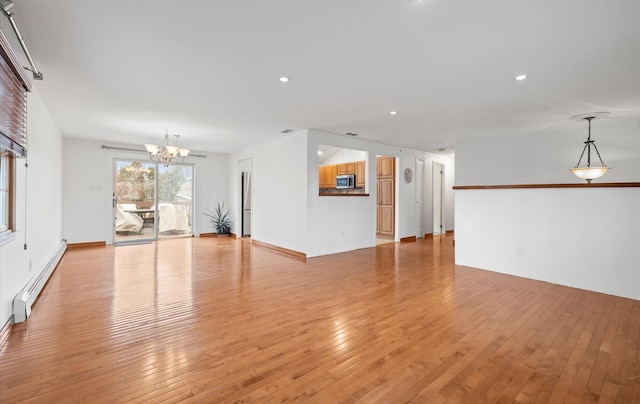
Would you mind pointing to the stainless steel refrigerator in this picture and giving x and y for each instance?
(246, 203)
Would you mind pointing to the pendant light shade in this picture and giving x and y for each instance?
(588, 172)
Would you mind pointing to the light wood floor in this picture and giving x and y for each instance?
(217, 320)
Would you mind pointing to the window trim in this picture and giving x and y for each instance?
(7, 232)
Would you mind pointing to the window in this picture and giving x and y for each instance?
(13, 133)
(6, 176)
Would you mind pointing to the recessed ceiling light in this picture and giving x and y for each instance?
(319, 152)
(393, 113)
(521, 77)
(284, 79)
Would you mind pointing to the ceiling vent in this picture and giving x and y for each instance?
(351, 134)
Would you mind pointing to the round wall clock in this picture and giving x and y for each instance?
(408, 175)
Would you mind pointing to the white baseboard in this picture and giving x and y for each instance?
(27, 296)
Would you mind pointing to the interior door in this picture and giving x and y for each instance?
(134, 201)
(246, 203)
(438, 221)
(419, 178)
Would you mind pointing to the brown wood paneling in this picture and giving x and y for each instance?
(221, 320)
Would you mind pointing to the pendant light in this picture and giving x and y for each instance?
(588, 172)
(167, 153)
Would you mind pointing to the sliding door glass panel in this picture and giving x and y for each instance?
(134, 201)
(175, 200)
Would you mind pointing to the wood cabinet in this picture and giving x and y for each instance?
(386, 167)
(346, 168)
(385, 207)
(360, 175)
(330, 173)
(321, 179)
(385, 202)
(327, 174)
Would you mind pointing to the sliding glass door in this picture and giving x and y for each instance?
(151, 201)
(175, 200)
(134, 200)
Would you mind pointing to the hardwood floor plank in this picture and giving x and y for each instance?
(217, 320)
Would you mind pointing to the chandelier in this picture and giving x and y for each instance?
(167, 153)
(590, 173)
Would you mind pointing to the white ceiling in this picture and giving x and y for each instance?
(125, 71)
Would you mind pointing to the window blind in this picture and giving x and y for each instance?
(13, 102)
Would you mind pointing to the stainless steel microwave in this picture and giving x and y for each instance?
(345, 181)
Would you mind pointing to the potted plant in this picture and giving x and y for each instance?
(219, 219)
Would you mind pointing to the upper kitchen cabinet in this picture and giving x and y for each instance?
(360, 174)
(341, 171)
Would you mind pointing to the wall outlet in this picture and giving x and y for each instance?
(520, 249)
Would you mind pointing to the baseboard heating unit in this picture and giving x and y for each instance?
(25, 298)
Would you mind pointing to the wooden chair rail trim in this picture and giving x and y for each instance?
(291, 253)
(531, 186)
(332, 194)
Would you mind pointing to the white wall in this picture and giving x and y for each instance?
(88, 188)
(279, 208)
(587, 238)
(547, 157)
(39, 223)
(345, 156)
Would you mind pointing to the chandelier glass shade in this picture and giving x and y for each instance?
(167, 153)
(588, 172)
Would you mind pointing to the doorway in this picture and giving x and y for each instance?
(151, 201)
(438, 205)
(385, 201)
